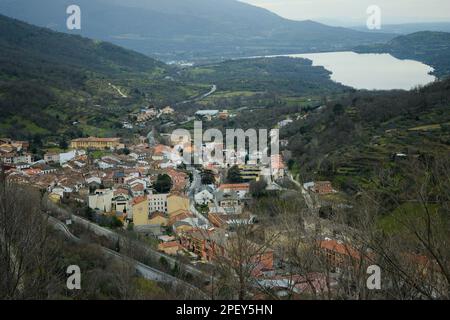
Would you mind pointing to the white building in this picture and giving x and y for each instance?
(207, 113)
(104, 165)
(203, 197)
(101, 200)
(69, 156)
(157, 202)
(59, 190)
(284, 123)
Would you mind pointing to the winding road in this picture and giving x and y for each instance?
(309, 201)
(145, 271)
(113, 236)
(193, 189)
(118, 91)
(203, 96)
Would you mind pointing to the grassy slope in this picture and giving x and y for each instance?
(356, 134)
(354, 137)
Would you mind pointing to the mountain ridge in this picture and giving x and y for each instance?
(429, 47)
(191, 29)
(50, 80)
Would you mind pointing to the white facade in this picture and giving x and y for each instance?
(203, 197)
(157, 202)
(66, 157)
(101, 200)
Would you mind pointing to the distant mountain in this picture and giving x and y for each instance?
(408, 28)
(30, 44)
(190, 29)
(48, 80)
(432, 48)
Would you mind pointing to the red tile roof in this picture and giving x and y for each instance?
(340, 248)
(138, 187)
(235, 186)
(138, 200)
(157, 214)
(184, 214)
(160, 148)
(170, 244)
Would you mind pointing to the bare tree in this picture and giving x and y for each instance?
(242, 260)
(27, 252)
(410, 241)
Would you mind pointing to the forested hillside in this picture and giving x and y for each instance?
(352, 137)
(280, 75)
(432, 48)
(49, 80)
(190, 29)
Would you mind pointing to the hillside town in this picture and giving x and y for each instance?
(208, 206)
(191, 210)
(230, 156)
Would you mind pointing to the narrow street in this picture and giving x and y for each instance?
(203, 96)
(193, 189)
(308, 200)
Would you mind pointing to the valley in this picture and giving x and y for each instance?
(200, 30)
(116, 156)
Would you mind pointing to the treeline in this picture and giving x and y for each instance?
(48, 80)
(35, 258)
(77, 52)
(351, 138)
(407, 243)
(280, 75)
(432, 48)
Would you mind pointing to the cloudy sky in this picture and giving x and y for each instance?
(353, 12)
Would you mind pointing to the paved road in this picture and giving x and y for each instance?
(306, 195)
(203, 96)
(118, 90)
(98, 230)
(113, 236)
(213, 89)
(193, 189)
(196, 182)
(58, 225)
(145, 271)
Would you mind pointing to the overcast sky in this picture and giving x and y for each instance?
(353, 12)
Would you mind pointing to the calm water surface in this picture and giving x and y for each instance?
(371, 71)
